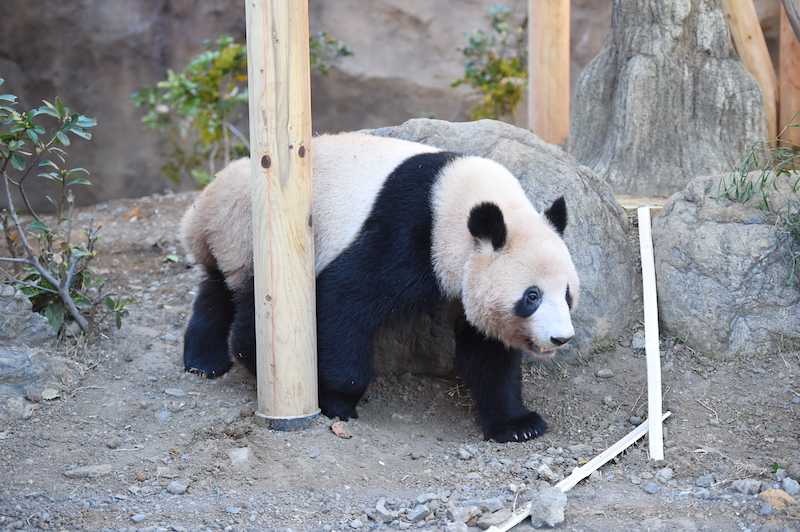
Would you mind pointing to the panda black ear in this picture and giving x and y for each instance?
(486, 223)
(557, 215)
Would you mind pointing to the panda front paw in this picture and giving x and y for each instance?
(522, 428)
(334, 407)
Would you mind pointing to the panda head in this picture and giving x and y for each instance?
(520, 283)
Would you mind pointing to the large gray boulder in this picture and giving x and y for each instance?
(19, 325)
(24, 367)
(723, 269)
(665, 100)
(595, 235)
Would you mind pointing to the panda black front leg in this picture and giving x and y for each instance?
(205, 346)
(493, 374)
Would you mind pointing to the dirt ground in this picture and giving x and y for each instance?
(134, 443)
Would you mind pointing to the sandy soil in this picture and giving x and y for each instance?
(134, 443)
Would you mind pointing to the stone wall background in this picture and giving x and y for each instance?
(95, 53)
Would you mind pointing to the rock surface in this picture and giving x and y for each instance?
(723, 267)
(595, 235)
(665, 100)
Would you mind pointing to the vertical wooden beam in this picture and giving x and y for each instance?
(748, 39)
(789, 83)
(280, 140)
(548, 67)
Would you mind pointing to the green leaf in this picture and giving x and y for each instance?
(33, 136)
(79, 181)
(62, 138)
(55, 316)
(48, 162)
(31, 291)
(80, 300)
(84, 121)
(17, 162)
(48, 110)
(8, 98)
(118, 320)
(82, 133)
(110, 303)
(171, 258)
(40, 226)
(62, 111)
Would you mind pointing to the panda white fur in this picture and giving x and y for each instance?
(399, 228)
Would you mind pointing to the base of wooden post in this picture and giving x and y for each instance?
(288, 424)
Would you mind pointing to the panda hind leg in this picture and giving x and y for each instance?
(205, 347)
(242, 340)
(493, 374)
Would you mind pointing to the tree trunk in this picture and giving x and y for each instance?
(666, 99)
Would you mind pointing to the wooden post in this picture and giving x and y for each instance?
(548, 67)
(789, 76)
(748, 39)
(280, 140)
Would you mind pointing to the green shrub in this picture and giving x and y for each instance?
(52, 271)
(197, 109)
(496, 66)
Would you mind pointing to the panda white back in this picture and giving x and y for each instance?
(349, 171)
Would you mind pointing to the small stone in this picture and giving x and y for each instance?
(609, 401)
(767, 509)
(491, 505)
(163, 415)
(176, 488)
(138, 517)
(547, 508)
(791, 486)
(239, 455)
(666, 368)
(796, 400)
(464, 454)
(114, 443)
(494, 519)
(462, 514)
(652, 488)
(665, 475)
(233, 509)
(604, 373)
(746, 486)
(418, 514)
(635, 420)
(426, 498)
(473, 476)
(706, 481)
(456, 526)
(175, 392)
(385, 514)
(356, 523)
(638, 341)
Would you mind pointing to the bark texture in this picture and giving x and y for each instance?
(666, 99)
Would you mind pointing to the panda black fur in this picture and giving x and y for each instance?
(399, 228)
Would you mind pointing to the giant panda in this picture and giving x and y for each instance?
(399, 227)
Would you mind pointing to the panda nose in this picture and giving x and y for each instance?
(559, 341)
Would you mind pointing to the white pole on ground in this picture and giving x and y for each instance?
(655, 433)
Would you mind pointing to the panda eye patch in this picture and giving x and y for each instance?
(529, 302)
